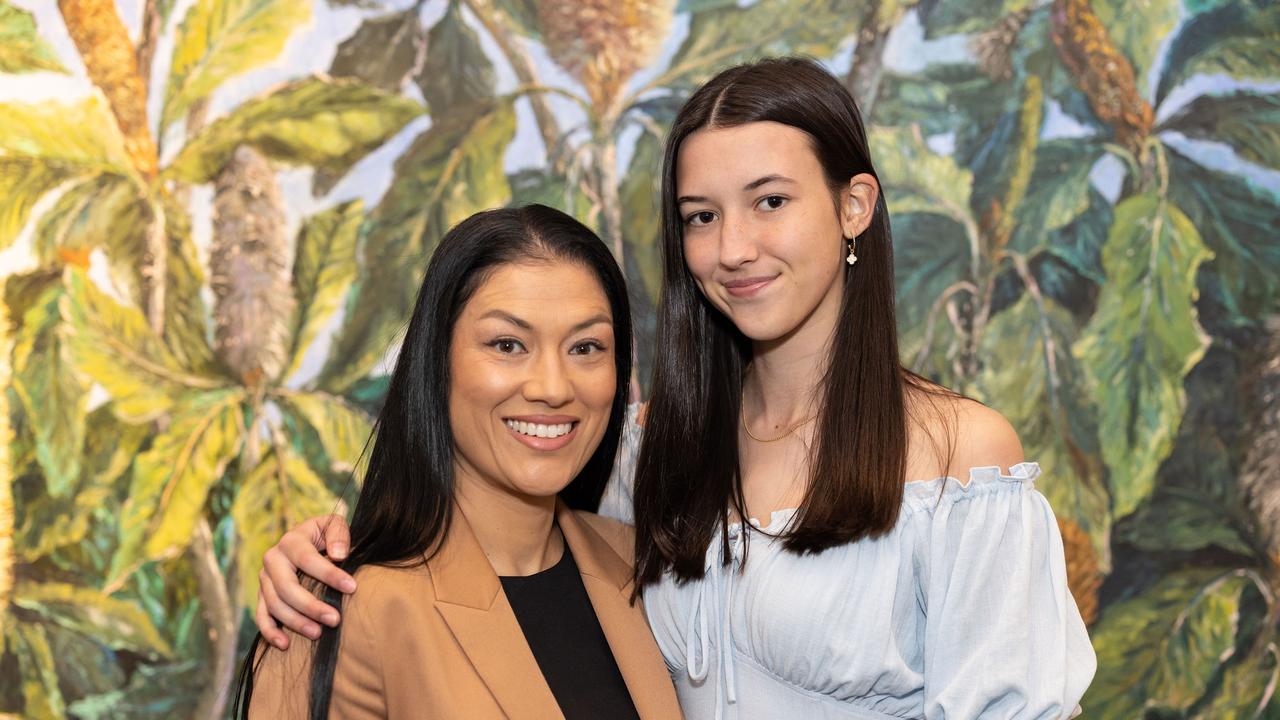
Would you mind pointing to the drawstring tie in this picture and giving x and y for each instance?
(715, 596)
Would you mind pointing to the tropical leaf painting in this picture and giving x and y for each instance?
(214, 215)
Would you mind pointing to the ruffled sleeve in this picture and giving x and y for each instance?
(618, 501)
(1003, 636)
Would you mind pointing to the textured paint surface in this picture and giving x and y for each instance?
(214, 215)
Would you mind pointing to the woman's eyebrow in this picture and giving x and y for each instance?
(507, 317)
(594, 319)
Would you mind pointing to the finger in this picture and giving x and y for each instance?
(284, 583)
(267, 625)
(337, 537)
(304, 556)
(283, 613)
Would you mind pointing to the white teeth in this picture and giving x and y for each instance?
(539, 430)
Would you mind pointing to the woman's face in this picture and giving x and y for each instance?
(533, 378)
(763, 235)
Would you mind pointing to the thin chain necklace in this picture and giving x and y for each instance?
(789, 430)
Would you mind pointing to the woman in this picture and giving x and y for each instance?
(902, 563)
(482, 593)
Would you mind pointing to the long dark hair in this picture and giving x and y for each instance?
(405, 504)
(687, 473)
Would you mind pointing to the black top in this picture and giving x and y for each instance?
(562, 630)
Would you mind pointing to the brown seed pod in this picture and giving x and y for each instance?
(1083, 575)
(603, 43)
(249, 263)
(1100, 70)
(108, 56)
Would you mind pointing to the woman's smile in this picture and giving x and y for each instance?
(543, 432)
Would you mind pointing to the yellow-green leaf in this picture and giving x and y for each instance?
(456, 71)
(40, 693)
(1030, 376)
(278, 494)
(113, 345)
(23, 181)
(343, 430)
(640, 216)
(1248, 687)
(1139, 34)
(220, 39)
(451, 171)
(50, 523)
(383, 51)
(726, 33)
(82, 134)
(1239, 39)
(45, 144)
(917, 179)
(115, 623)
(69, 224)
(1163, 648)
(1143, 340)
(52, 394)
(323, 270)
(185, 327)
(321, 122)
(21, 48)
(172, 479)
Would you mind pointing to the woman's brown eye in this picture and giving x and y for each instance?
(774, 202)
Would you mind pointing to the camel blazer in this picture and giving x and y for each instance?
(440, 640)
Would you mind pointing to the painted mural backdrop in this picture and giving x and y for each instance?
(214, 215)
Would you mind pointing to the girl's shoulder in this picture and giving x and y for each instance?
(947, 434)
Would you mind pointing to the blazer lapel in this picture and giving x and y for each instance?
(608, 580)
(469, 597)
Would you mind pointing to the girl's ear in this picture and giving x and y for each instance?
(858, 204)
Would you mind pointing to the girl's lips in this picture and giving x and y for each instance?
(748, 287)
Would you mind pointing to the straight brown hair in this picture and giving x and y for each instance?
(687, 473)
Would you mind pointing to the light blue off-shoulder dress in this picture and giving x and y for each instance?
(961, 611)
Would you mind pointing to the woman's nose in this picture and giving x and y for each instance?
(548, 381)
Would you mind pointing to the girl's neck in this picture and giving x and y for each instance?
(786, 373)
(517, 533)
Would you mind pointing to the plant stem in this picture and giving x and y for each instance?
(863, 79)
(220, 615)
(6, 471)
(495, 22)
(610, 203)
(152, 25)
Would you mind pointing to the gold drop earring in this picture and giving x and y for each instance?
(853, 245)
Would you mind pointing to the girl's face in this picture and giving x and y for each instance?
(532, 378)
(763, 235)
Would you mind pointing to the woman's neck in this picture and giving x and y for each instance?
(517, 533)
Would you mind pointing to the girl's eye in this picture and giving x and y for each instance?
(702, 217)
(506, 346)
(773, 202)
(586, 347)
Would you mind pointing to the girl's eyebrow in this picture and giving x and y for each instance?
(745, 188)
(765, 181)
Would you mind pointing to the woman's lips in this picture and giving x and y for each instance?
(748, 287)
(521, 427)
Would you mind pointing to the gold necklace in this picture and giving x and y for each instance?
(790, 430)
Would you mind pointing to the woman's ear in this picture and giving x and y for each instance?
(858, 204)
